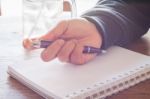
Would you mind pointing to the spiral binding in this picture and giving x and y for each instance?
(123, 81)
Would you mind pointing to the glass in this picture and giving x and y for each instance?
(39, 16)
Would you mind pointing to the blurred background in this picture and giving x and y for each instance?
(14, 7)
(11, 13)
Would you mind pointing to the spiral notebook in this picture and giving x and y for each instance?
(115, 70)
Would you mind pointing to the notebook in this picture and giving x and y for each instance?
(110, 72)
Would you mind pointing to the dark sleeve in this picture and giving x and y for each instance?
(118, 22)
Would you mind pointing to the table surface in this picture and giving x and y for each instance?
(12, 89)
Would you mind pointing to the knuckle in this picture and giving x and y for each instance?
(63, 56)
(69, 46)
(72, 42)
(60, 42)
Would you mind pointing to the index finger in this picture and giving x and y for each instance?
(56, 32)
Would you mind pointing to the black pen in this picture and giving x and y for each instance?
(45, 44)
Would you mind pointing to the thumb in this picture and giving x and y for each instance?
(57, 31)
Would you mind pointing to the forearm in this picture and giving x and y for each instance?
(117, 22)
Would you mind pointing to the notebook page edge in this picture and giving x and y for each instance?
(33, 86)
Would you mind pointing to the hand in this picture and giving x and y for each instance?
(70, 36)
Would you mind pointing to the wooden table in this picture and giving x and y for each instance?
(12, 89)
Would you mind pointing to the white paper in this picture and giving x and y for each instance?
(61, 79)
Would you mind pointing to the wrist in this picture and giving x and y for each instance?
(94, 31)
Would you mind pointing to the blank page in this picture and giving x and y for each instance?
(56, 79)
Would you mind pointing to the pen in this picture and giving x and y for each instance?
(45, 44)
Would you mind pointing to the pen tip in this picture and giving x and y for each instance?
(27, 44)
